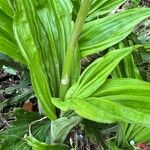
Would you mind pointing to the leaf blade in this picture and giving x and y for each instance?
(129, 92)
(37, 145)
(102, 33)
(95, 75)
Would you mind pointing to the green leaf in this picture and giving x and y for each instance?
(61, 127)
(12, 138)
(147, 46)
(132, 132)
(41, 89)
(127, 67)
(41, 130)
(7, 40)
(27, 33)
(143, 136)
(104, 110)
(136, 2)
(121, 140)
(23, 119)
(6, 8)
(76, 6)
(133, 93)
(21, 97)
(6, 27)
(14, 143)
(56, 21)
(116, 100)
(96, 74)
(104, 7)
(93, 131)
(112, 146)
(10, 49)
(42, 30)
(60, 104)
(96, 5)
(36, 145)
(102, 33)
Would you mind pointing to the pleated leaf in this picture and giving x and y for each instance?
(12, 137)
(6, 8)
(103, 110)
(129, 92)
(27, 36)
(126, 131)
(8, 44)
(9, 48)
(99, 8)
(61, 127)
(6, 26)
(127, 67)
(102, 33)
(76, 6)
(132, 132)
(143, 136)
(96, 74)
(42, 29)
(37, 145)
(55, 18)
(103, 7)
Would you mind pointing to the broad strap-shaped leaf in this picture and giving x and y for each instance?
(121, 140)
(9, 48)
(147, 46)
(61, 127)
(50, 32)
(92, 131)
(28, 38)
(37, 145)
(96, 74)
(127, 67)
(132, 132)
(8, 44)
(129, 92)
(41, 89)
(104, 110)
(112, 145)
(136, 2)
(56, 20)
(6, 8)
(143, 136)
(6, 26)
(102, 33)
(103, 7)
(76, 6)
(96, 5)
(12, 138)
(99, 8)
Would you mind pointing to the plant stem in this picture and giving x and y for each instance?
(72, 48)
